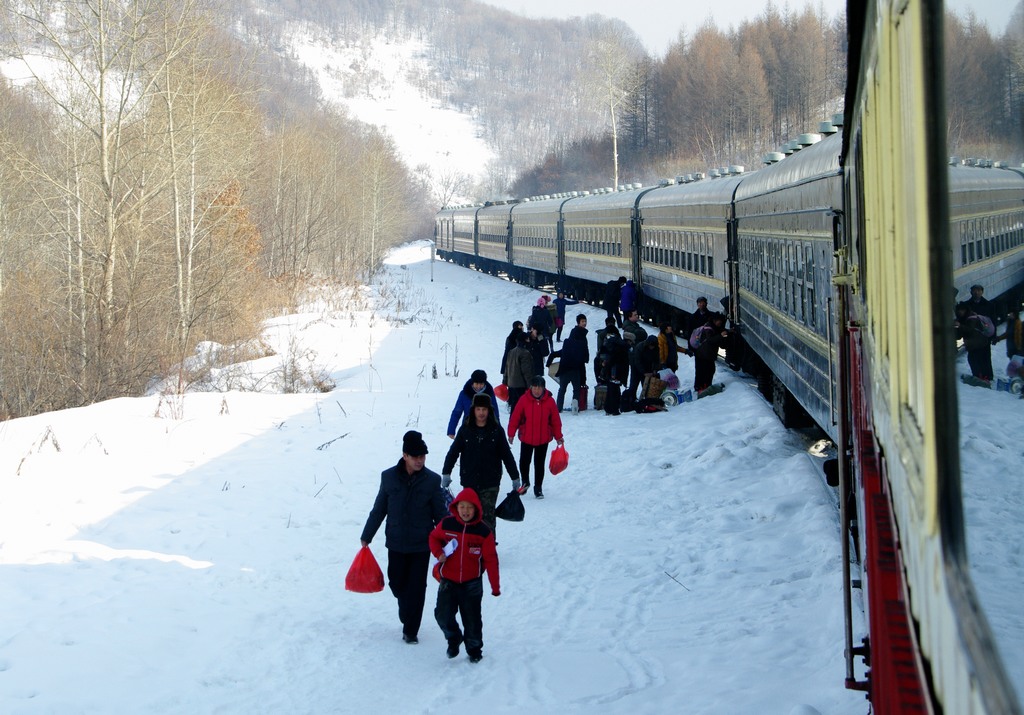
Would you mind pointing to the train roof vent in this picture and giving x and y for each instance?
(787, 148)
(827, 128)
(735, 169)
(838, 119)
(954, 161)
(773, 157)
(713, 173)
(808, 139)
(698, 176)
(999, 165)
(723, 171)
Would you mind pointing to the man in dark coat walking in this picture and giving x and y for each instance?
(411, 500)
(481, 448)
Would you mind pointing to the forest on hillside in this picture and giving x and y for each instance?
(162, 184)
(558, 99)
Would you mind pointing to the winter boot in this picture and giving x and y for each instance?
(453, 647)
(475, 655)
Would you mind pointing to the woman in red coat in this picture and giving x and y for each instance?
(537, 421)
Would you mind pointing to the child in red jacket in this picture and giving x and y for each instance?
(464, 547)
(536, 419)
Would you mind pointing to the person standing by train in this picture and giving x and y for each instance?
(629, 298)
(537, 344)
(697, 318)
(976, 331)
(560, 303)
(705, 342)
(643, 364)
(540, 319)
(510, 342)
(668, 348)
(518, 370)
(634, 335)
(613, 298)
(572, 367)
(1014, 335)
(979, 304)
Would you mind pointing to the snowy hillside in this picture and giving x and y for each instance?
(374, 83)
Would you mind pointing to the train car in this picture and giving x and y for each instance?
(444, 232)
(685, 242)
(493, 231)
(787, 228)
(929, 646)
(536, 248)
(599, 234)
(987, 228)
(461, 248)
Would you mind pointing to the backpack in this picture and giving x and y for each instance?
(700, 335)
(986, 326)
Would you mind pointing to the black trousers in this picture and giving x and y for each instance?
(407, 577)
(536, 454)
(980, 361)
(704, 373)
(567, 376)
(613, 399)
(464, 599)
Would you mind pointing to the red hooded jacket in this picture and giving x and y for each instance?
(536, 418)
(475, 552)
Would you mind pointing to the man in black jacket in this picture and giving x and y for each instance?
(613, 297)
(481, 447)
(572, 365)
(411, 499)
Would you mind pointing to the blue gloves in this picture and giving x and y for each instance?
(516, 484)
(446, 480)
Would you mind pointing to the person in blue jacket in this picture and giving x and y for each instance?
(411, 499)
(475, 385)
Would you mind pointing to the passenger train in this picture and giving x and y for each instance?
(762, 243)
(839, 266)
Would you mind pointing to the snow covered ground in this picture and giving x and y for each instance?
(170, 556)
(188, 555)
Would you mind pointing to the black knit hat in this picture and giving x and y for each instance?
(413, 444)
(478, 376)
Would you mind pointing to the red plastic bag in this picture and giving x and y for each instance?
(501, 391)
(559, 460)
(364, 575)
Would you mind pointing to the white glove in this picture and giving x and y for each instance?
(517, 483)
(446, 479)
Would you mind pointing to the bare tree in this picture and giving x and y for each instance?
(614, 54)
